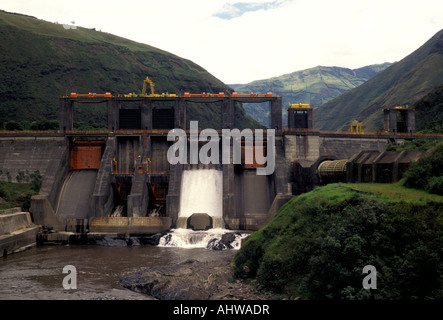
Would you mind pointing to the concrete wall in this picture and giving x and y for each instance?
(49, 156)
(344, 148)
(130, 225)
(102, 199)
(306, 147)
(17, 232)
(30, 153)
(138, 200)
(251, 201)
(173, 196)
(311, 147)
(14, 221)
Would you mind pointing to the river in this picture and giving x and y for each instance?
(37, 273)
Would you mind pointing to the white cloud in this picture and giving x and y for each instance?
(237, 9)
(243, 40)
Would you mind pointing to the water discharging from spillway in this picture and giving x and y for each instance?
(202, 192)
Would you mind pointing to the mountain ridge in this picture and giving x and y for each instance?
(403, 83)
(314, 86)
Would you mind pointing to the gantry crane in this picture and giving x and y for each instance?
(151, 84)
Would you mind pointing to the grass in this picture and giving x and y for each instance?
(389, 193)
(15, 195)
(395, 192)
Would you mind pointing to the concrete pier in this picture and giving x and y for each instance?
(17, 231)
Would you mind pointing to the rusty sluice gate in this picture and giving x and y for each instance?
(86, 154)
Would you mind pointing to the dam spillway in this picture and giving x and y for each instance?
(201, 192)
(75, 196)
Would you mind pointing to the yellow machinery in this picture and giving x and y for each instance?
(143, 93)
(151, 84)
(300, 105)
(356, 127)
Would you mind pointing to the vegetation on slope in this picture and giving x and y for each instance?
(427, 172)
(403, 83)
(429, 112)
(42, 61)
(319, 242)
(19, 194)
(416, 144)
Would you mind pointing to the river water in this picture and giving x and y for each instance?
(37, 273)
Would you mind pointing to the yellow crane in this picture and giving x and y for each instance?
(151, 84)
(356, 127)
(143, 93)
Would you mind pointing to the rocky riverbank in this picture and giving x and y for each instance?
(193, 280)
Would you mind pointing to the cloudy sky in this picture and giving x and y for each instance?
(239, 41)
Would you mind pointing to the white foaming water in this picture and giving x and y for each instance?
(210, 239)
(202, 192)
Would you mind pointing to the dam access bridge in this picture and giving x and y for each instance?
(120, 180)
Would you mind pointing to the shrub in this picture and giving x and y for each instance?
(435, 185)
(322, 256)
(36, 180)
(13, 126)
(427, 173)
(3, 191)
(45, 125)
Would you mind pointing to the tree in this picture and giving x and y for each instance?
(45, 125)
(13, 126)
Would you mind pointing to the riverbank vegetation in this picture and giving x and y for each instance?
(16, 195)
(427, 172)
(319, 242)
(19, 194)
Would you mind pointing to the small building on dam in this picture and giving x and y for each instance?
(124, 181)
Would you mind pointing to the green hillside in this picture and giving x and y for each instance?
(429, 112)
(316, 246)
(315, 86)
(403, 83)
(41, 61)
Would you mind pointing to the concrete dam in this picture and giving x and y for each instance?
(121, 181)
